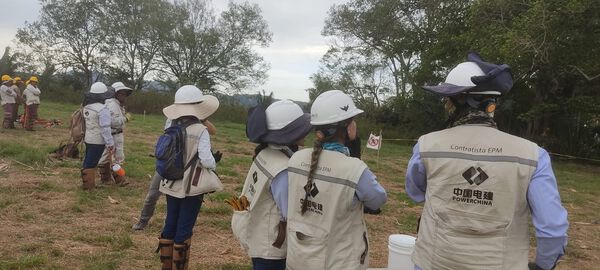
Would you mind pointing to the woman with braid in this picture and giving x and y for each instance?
(327, 190)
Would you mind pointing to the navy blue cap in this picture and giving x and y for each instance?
(496, 78)
(257, 132)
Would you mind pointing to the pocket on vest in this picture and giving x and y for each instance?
(469, 241)
(306, 248)
(239, 226)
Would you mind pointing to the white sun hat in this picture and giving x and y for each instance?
(189, 101)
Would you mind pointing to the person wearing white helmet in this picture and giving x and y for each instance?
(481, 185)
(278, 130)
(116, 106)
(8, 98)
(97, 131)
(327, 190)
(154, 193)
(184, 198)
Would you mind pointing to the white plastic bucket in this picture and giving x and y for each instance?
(400, 248)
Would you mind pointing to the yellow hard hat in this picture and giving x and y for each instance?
(16, 79)
(6, 78)
(33, 79)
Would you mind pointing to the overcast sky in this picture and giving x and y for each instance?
(293, 55)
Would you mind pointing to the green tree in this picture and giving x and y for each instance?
(216, 52)
(73, 31)
(136, 28)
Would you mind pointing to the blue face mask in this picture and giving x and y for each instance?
(335, 146)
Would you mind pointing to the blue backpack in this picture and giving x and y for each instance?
(170, 150)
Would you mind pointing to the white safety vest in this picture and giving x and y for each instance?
(92, 123)
(332, 233)
(476, 213)
(185, 187)
(263, 214)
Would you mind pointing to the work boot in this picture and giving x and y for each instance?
(181, 255)
(165, 247)
(88, 177)
(140, 225)
(120, 180)
(105, 174)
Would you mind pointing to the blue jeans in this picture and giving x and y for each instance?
(266, 264)
(93, 153)
(181, 217)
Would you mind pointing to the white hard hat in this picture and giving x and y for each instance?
(331, 107)
(188, 94)
(461, 76)
(98, 88)
(118, 86)
(281, 113)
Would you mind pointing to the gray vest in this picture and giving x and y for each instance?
(264, 216)
(332, 233)
(476, 212)
(92, 123)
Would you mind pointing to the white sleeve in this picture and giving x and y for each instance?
(204, 151)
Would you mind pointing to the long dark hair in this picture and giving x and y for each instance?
(329, 133)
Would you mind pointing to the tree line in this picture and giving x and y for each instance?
(178, 42)
(385, 50)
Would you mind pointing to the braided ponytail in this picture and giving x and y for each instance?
(314, 161)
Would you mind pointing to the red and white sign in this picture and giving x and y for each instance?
(374, 142)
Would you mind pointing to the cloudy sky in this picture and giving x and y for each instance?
(293, 55)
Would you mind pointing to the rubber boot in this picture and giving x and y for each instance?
(181, 255)
(88, 177)
(120, 180)
(165, 247)
(105, 174)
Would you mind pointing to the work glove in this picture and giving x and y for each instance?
(533, 266)
(217, 155)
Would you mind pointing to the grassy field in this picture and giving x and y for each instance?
(47, 222)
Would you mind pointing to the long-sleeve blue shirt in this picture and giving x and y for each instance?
(548, 215)
(368, 191)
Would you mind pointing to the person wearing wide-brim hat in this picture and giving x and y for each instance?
(116, 106)
(97, 131)
(481, 186)
(8, 97)
(278, 130)
(191, 107)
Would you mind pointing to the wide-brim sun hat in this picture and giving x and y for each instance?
(475, 77)
(291, 133)
(200, 109)
(282, 123)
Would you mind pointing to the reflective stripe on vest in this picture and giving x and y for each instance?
(331, 234)
(476, 213)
